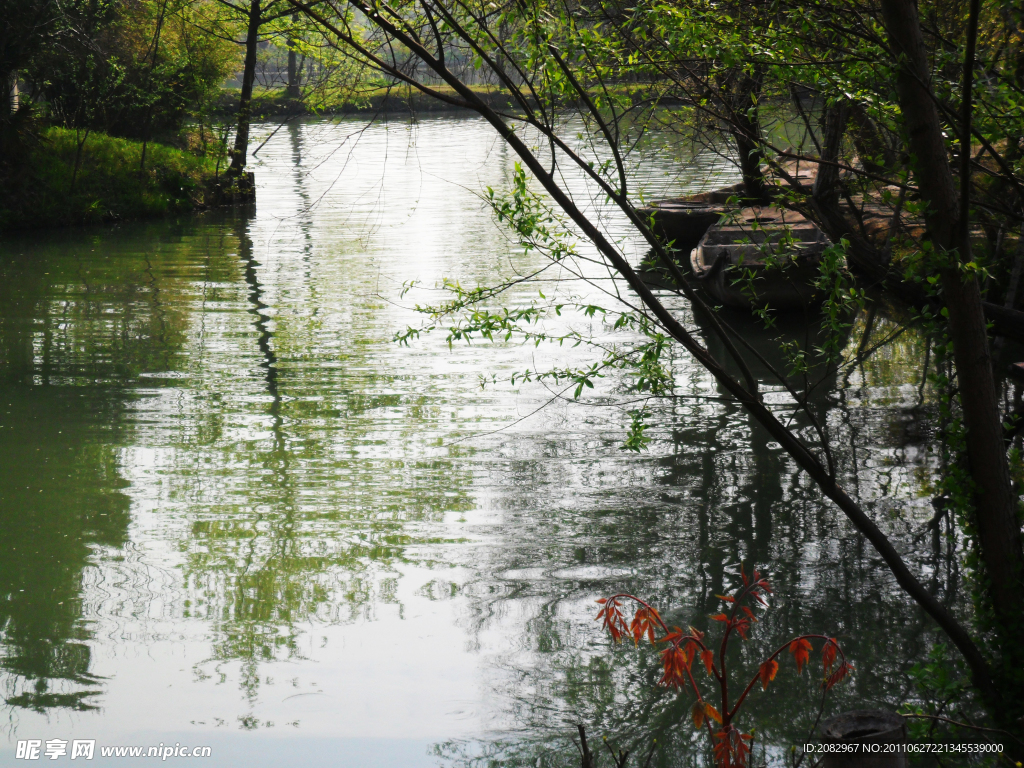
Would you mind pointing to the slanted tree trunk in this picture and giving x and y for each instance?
(241, 148)
(995, 507)
(292, 91)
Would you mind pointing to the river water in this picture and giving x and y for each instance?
(236, 513)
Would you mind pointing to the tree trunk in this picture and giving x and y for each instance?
(833, 127)
(11, 82)
(872, 149)
(293, 92)
(149, 82)
(241, 150)
(746, 132)
(995, 507)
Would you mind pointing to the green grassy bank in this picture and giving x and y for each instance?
(271, 102)
(108, 185)
(370, 101)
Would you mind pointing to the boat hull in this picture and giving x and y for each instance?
(788, 289)
(761, 261)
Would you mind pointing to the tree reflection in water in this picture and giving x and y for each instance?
(73, 339)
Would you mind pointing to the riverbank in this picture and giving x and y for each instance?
(273, 102)
(70, 178)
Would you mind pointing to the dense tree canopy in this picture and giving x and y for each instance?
(127, 67)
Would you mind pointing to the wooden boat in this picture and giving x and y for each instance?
(779, 249)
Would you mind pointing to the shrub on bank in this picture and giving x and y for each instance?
(72, 178)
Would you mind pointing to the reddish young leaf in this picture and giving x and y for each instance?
(643, 624)
(741, 626)
(708, 657)
(690, 650)
(722, 752)
(743, 573)
(731, 749)
(720, 617)
(741, 751)
(838, 675)
(697, 713)
(801, 650)
(611, 614)
(635, 631)
(768, 672)
(655, 617)
(828, 655)
(712, 713)
(749, 613)
(687, 652)
(673, 660)
(726, 598)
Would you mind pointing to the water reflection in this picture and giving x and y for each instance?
(729, 495)
(71, 334)
(65, 488)
(231, 502)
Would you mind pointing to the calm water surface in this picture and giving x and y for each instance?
(233, 512)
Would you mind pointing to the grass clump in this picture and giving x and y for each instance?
(74, 178)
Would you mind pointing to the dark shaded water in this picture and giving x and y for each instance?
(235, 513)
